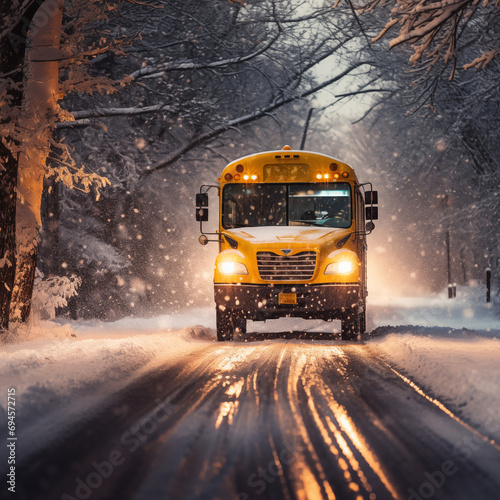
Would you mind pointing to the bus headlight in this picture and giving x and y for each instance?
(342, 267)
(232, 268)
(342, 262)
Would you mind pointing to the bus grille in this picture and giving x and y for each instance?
(274, 267)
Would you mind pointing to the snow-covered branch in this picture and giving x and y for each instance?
(159, 69)
(82, 117)
(250, 117)
(433, 28)
(428, 25)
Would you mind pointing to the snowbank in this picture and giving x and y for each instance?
(69, 373)
(468, 310)
(459, 368)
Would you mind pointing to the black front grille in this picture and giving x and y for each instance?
(298, 267)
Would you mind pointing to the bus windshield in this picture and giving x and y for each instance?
(251, 205)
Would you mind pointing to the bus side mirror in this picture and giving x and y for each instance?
(201, 199)
(201, 214)
(371, 197)
(370, 226)
(201, 207)
(371, 213)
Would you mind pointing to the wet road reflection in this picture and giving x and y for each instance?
(276, 419)
(304, 420)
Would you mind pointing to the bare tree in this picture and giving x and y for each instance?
(38, 111)
(229, 67)
(12, 50)
(30, 89)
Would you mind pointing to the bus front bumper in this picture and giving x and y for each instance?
(259, 302)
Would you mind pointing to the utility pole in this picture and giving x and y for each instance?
(488, 285)
(452, 287)
(448, 256)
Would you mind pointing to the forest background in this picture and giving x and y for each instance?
(120, 110)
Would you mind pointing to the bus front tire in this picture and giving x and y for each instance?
(229, 322)
(353, 324)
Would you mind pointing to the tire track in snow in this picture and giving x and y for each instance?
(272, 419)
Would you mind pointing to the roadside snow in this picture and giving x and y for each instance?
(468, 310)
(454, 353)
(59, 378)
(191, 318)
(460, 369)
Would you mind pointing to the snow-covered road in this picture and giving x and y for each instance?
(264, 419)
(155, 409)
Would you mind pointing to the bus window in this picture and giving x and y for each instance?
(320, 205)
(250, 205)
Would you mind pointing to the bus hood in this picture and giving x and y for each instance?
(305, 235)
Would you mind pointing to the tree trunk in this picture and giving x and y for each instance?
(37, 119)
(12, 53)
(8, 179)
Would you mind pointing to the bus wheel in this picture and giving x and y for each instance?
(352, 324)
(241, 324)
(362, 321)
(229, 322)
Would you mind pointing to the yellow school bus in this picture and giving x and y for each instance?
(292, 240)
